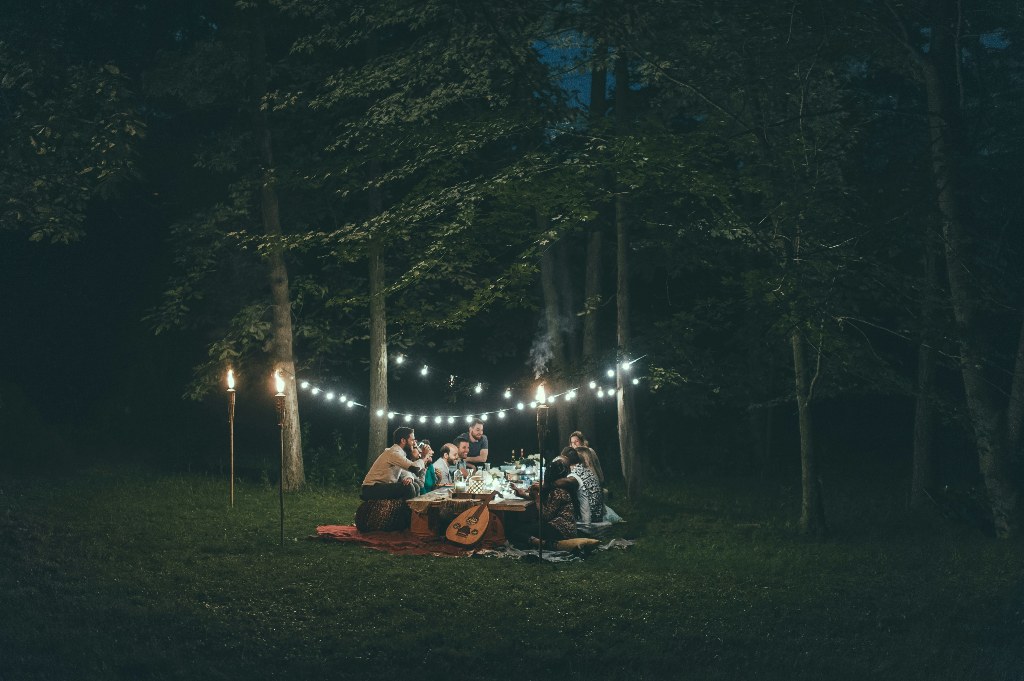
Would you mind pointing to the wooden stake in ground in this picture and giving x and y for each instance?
(231, 434)
(542, 431)
(279, 403)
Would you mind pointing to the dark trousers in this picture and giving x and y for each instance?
(387, 490)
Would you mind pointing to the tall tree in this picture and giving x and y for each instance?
(996, 419)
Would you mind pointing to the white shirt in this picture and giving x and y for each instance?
(390, 465)
(443, 471)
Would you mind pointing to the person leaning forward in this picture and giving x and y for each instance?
(398, 472)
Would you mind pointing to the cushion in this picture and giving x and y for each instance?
(578, 544)
(383, 515)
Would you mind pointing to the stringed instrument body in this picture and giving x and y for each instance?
(469, 526)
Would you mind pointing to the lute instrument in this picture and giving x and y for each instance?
(469, 526)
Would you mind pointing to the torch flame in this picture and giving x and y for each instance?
(541, 396)
(279, 381)
(231, 379)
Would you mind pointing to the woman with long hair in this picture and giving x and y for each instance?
(557, 512)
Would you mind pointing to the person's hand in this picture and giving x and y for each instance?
(406, 481)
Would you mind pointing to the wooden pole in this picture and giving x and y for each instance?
(542, 431)
(231, 442)
(279, 402)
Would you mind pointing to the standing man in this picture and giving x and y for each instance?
(398, 471)
(477, 443)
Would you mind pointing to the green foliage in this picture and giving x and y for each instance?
(70, 127)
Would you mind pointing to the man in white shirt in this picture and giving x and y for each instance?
(445, 467)
(398, 471)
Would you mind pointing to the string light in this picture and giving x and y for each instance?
(567, 395)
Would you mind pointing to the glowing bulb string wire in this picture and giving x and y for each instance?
(569, 394)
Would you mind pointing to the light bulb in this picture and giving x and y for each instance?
(501, 414)
(520, 406)
(508, 393)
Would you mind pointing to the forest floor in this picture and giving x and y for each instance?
(110, 574)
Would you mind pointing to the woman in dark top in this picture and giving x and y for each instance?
(557, 512)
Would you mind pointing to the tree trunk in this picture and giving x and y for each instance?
(592, 276)
(812, 512)
(991, 430)
(629, 450)
(281, 322)
(378, 436)
(588, 362)
(553, 321)
(924, 408)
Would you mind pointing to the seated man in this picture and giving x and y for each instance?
(444, 468)
(462, 451)
(398, 471)
(478, 448)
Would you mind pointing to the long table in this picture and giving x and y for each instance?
(425, 524)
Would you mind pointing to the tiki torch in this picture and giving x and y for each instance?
(279, 403)
(542, 432)
(231, 433)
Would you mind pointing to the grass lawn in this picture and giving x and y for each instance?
(126, 575)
